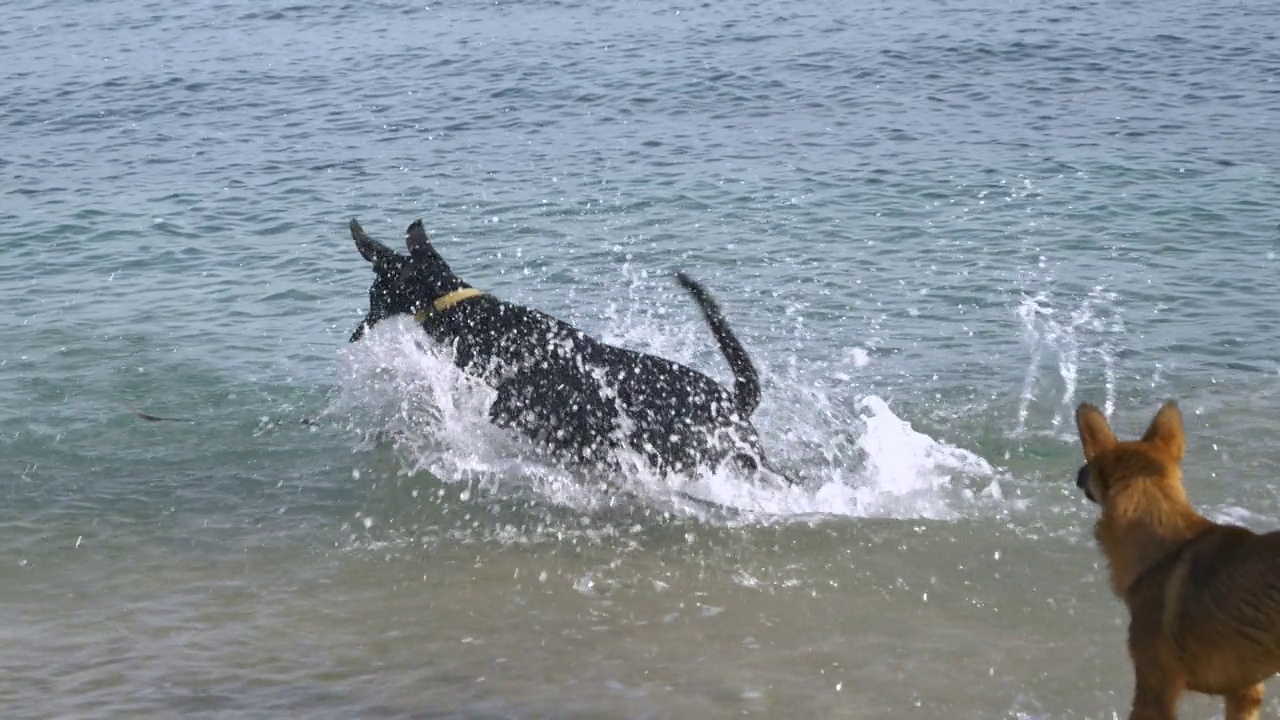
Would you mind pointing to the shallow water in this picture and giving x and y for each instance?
(937, 226)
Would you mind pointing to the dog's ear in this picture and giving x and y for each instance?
(416, 239)
(1095, 433)
(370, 249)
(1166, 429)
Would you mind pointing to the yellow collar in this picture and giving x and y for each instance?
(444, 302)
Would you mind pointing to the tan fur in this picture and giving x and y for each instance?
(1203, 598)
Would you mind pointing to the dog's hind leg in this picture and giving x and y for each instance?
(750, 463)
(790, 481)
(1156, 696)
(1244, 705)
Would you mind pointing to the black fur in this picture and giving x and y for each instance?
(1082, 482)
(578, 397)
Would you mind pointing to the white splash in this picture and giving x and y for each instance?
(853, 456)
(1089, 328)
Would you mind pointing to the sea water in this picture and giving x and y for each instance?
(936, 225)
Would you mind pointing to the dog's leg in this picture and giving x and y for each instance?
(1158, 679)
(753, 465)
(1156, 697)
(1245, 704)
(791, 482)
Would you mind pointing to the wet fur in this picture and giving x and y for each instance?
(1203, 597)
(580, 398)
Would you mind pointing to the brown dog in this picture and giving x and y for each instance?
(1203, 598)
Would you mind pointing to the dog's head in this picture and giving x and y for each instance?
(403, 283)
(1111, 463)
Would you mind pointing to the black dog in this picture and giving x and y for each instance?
(572, 394)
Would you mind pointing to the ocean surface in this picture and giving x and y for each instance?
(938, 225)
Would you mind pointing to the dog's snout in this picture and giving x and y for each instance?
(365, 325)
(1082, 482)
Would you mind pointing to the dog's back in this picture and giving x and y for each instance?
(1222, 609)
(579, 395)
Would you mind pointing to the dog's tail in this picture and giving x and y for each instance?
(746, 382)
